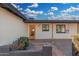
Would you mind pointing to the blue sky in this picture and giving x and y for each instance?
(49, 11)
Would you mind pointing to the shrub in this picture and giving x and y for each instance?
(75, 41)
(21, 44)
(75, 45)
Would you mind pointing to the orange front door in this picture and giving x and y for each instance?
(32, 31)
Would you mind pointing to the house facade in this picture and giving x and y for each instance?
(52, 29)
(11, 24)
(14, 25)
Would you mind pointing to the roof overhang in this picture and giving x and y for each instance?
(52, 21)
(13, 10)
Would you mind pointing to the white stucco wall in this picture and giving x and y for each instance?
(43, 34)
(39, 34)
(71, 29)
(11, 27)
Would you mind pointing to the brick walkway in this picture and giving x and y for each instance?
(57, 52)
(60, 47)
(64, 46)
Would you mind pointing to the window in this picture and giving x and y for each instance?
(60, 28)
(45, 27)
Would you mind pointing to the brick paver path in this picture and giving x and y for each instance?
(60, 47)
(57, 52)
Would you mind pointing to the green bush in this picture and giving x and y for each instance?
(21, 44)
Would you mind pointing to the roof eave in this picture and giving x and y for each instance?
(12, 9)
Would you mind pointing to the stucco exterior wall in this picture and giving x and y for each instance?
(11, 27)
(78, 28)
(39, 34)
(43, 34)
(71, 29)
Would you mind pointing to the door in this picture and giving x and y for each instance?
(32, 31)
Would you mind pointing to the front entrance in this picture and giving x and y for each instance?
(32, 31)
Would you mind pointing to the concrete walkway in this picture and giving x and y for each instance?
(64, 46)
(57, 52)
(59, 47)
